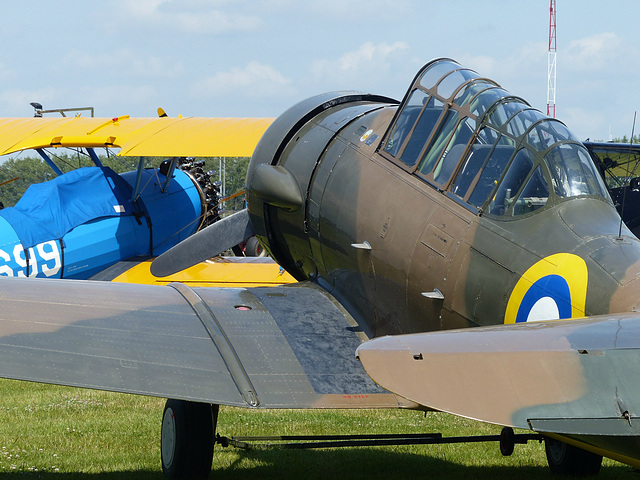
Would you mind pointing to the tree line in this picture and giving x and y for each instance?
(625, 139)
(17, 173)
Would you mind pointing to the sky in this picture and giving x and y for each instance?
(234, 58)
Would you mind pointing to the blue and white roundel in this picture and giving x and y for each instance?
(553, 288)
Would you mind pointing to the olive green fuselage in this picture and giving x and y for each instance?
(461, 206)
(422, 240)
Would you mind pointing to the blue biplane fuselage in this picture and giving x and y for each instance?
(85, 220)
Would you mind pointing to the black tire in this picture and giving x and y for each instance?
(507, 441)
(253, 248)
(565, 459)
(187, 439)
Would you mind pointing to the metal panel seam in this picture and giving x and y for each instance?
(221, 341)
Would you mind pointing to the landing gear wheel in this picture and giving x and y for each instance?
(565, 459)
(253, 248)
(507, 441)
(187, 439)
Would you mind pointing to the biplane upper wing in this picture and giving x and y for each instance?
(277, 347)
(574, 377)
(166, 137)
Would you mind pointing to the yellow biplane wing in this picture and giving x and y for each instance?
(145, 137)
(234, 272)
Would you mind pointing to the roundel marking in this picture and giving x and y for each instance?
(366, 135)
(553, 288)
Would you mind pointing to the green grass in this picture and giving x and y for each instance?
(53, 432)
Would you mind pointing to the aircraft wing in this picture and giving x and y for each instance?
(161, 137)
(239, 272)
(276, 347)
(574, 377)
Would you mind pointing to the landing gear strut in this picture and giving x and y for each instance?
(189, 434)
(187, 439)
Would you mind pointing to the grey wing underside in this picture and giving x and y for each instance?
(276, 347)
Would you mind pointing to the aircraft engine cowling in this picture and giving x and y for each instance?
(283, 171)
(208, 191)
(172, 214)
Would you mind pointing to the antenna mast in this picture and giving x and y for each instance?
(551, 71)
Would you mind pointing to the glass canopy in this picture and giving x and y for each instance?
(465, 135)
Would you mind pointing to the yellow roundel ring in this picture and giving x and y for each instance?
(551, 289)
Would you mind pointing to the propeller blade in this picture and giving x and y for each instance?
(207, 243)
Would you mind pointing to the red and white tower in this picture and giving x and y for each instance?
(551, 76)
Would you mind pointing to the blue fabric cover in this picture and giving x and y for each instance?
(49, 210)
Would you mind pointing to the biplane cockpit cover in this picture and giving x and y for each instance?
(51, 209)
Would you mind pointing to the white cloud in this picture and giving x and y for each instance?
(191, 16)
(350, 12)
(115, 100)
(523, 72)
(582, 123)
(108, 101)
(597, 85)
(592, 53)
(126, 63)
(588, 68)
(369, 53)
(15, 102)
(483, 64)
(5, 73)
(368, 61)
(521, 65)
(142, 8)
(255, 80)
